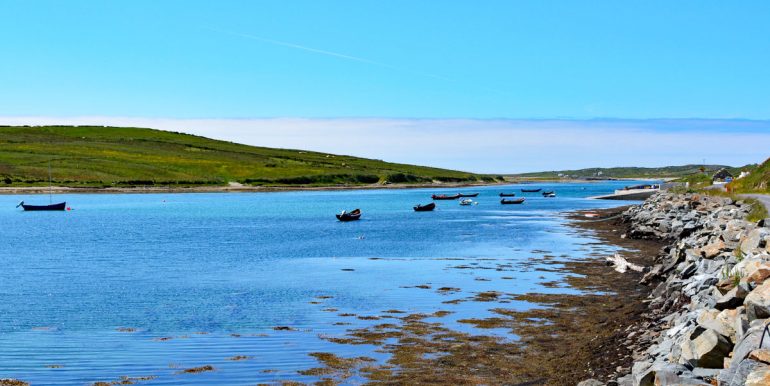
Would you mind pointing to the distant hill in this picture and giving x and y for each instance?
(629, 172)
(123, 156)
(757, 181)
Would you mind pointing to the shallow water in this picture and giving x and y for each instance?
(204, 277)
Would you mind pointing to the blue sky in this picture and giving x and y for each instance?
(574, 60)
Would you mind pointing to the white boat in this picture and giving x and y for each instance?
(467, 201)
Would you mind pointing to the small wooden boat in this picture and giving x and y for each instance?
(549, 193)
(425, 208)
(444, 197)
(531, 190)
(468, 194)
(349, 216)
(467, 202)
(507, 194)
(59, 206)
(514, 201)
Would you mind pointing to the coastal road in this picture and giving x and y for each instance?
(763, 198)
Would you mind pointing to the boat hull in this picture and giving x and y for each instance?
(37, 208)
(469, 195)
(350, 216)
(425, 208)
(531, 190)
(507, 194)
(510, 202)
(444, 197)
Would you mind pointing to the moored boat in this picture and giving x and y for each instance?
(444, 197)
(507, 194)
(531, 190)
(549, 193)
(349, 216)
(468, 194)
(59, 206)
(467, 202)
(49, 207)
(514, 201)
(425, 208)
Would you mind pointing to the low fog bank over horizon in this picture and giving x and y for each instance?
(495, 146)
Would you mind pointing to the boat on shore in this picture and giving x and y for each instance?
(468, 194)
(549, 193)
(507, 194)
(349, 216)
(425, 208)
(514, 201)
(444, 197)
(531, 190)
(33, 208)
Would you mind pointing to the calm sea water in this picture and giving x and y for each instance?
(216, 273)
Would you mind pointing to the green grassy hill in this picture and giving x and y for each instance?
(631, 172)
(758, 181)
(122, 156)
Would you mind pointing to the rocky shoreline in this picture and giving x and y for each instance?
(710, 300)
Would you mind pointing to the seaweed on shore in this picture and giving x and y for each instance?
(124, 380)
(567, 338)
(341, 368)
(12, 382)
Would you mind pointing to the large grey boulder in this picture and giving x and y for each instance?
(705, 348)
(748, 343)
(759, 376)
(723, 322)
(736, 375)
(758, 302)
(660, 373)
(755, 239)
(670, 378)
(590, 382)
(760, 355)
(733, 298)
(741, 323)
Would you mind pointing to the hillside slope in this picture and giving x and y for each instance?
(629, 172)
(758, 181)
(121, 156)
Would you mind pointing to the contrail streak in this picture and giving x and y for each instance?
(327, 53)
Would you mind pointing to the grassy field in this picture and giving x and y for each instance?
(121, 156)
(632, 172)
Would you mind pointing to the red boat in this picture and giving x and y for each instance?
(445, 197)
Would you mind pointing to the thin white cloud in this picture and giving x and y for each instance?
(492, 146)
